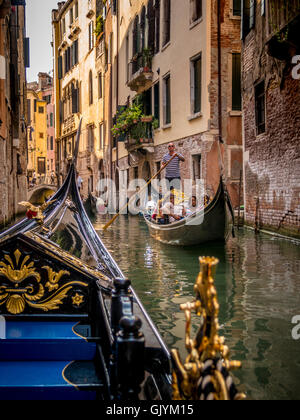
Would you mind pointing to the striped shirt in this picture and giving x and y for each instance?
(173, 169)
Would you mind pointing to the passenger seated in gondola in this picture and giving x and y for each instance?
(193, 206)
(173, 213)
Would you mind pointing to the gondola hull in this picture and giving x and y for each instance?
(207, 225)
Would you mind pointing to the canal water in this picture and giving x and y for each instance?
(258, 285)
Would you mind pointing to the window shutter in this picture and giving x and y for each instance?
(151, 25)
(60, 73)
(75, 50)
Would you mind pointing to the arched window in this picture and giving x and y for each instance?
(91, 87)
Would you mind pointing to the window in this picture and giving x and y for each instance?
(75, 99)
(167, 21)
(41, 163)
(41, 135)
(196, 87)
(143, 29)
(51, 120)
(60, 68)
(28, 111)
(91, 139)
(260, 108)
(101, 136)
(51, 143)
(236, 83)
(91, 35)
(136, 37)
(74, 53)
(91, 88)
(157, 102)
(196, 10)
(76, 10)
(127, 58)
(151, 25)
(236, 8)
(248, 21)
(41, 110)
(100, 86)
(167, 100)
(157, 26)
(197, 167)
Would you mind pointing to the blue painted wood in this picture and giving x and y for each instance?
(46, 350)
(44, 341)
(40, 329)
(39, 380)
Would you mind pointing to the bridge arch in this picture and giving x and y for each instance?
(40, 193)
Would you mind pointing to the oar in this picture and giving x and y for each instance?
(144, 187)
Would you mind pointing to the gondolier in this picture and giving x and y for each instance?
(173, 169)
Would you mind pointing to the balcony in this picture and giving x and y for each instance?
(140, 73)
(284, 21)
(140, 138)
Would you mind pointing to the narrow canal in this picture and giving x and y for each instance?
(258, 284)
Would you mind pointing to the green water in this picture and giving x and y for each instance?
(258, 284)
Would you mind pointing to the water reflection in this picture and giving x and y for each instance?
(258, 284)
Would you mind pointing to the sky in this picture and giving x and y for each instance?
(39, 30)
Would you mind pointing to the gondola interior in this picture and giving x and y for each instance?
(72, 327)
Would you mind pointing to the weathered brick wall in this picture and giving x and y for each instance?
(272, 159)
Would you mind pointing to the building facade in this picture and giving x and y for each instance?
(40, 129)
(78, 88)
(13, 148)
(271, 113)
(181, 60)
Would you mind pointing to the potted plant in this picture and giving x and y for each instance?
(147, 59)
(147, 118)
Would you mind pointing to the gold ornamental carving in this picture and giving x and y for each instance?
(208, 360)
(17, 295)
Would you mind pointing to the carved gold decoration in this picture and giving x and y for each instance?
(208, 356)
(32, 293)
(77, 299)
(70, 259)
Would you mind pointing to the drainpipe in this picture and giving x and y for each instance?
(220, 75)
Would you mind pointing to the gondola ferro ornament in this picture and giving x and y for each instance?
(36, 212)
(205, 375)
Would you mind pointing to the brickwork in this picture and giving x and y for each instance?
(272, 159)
